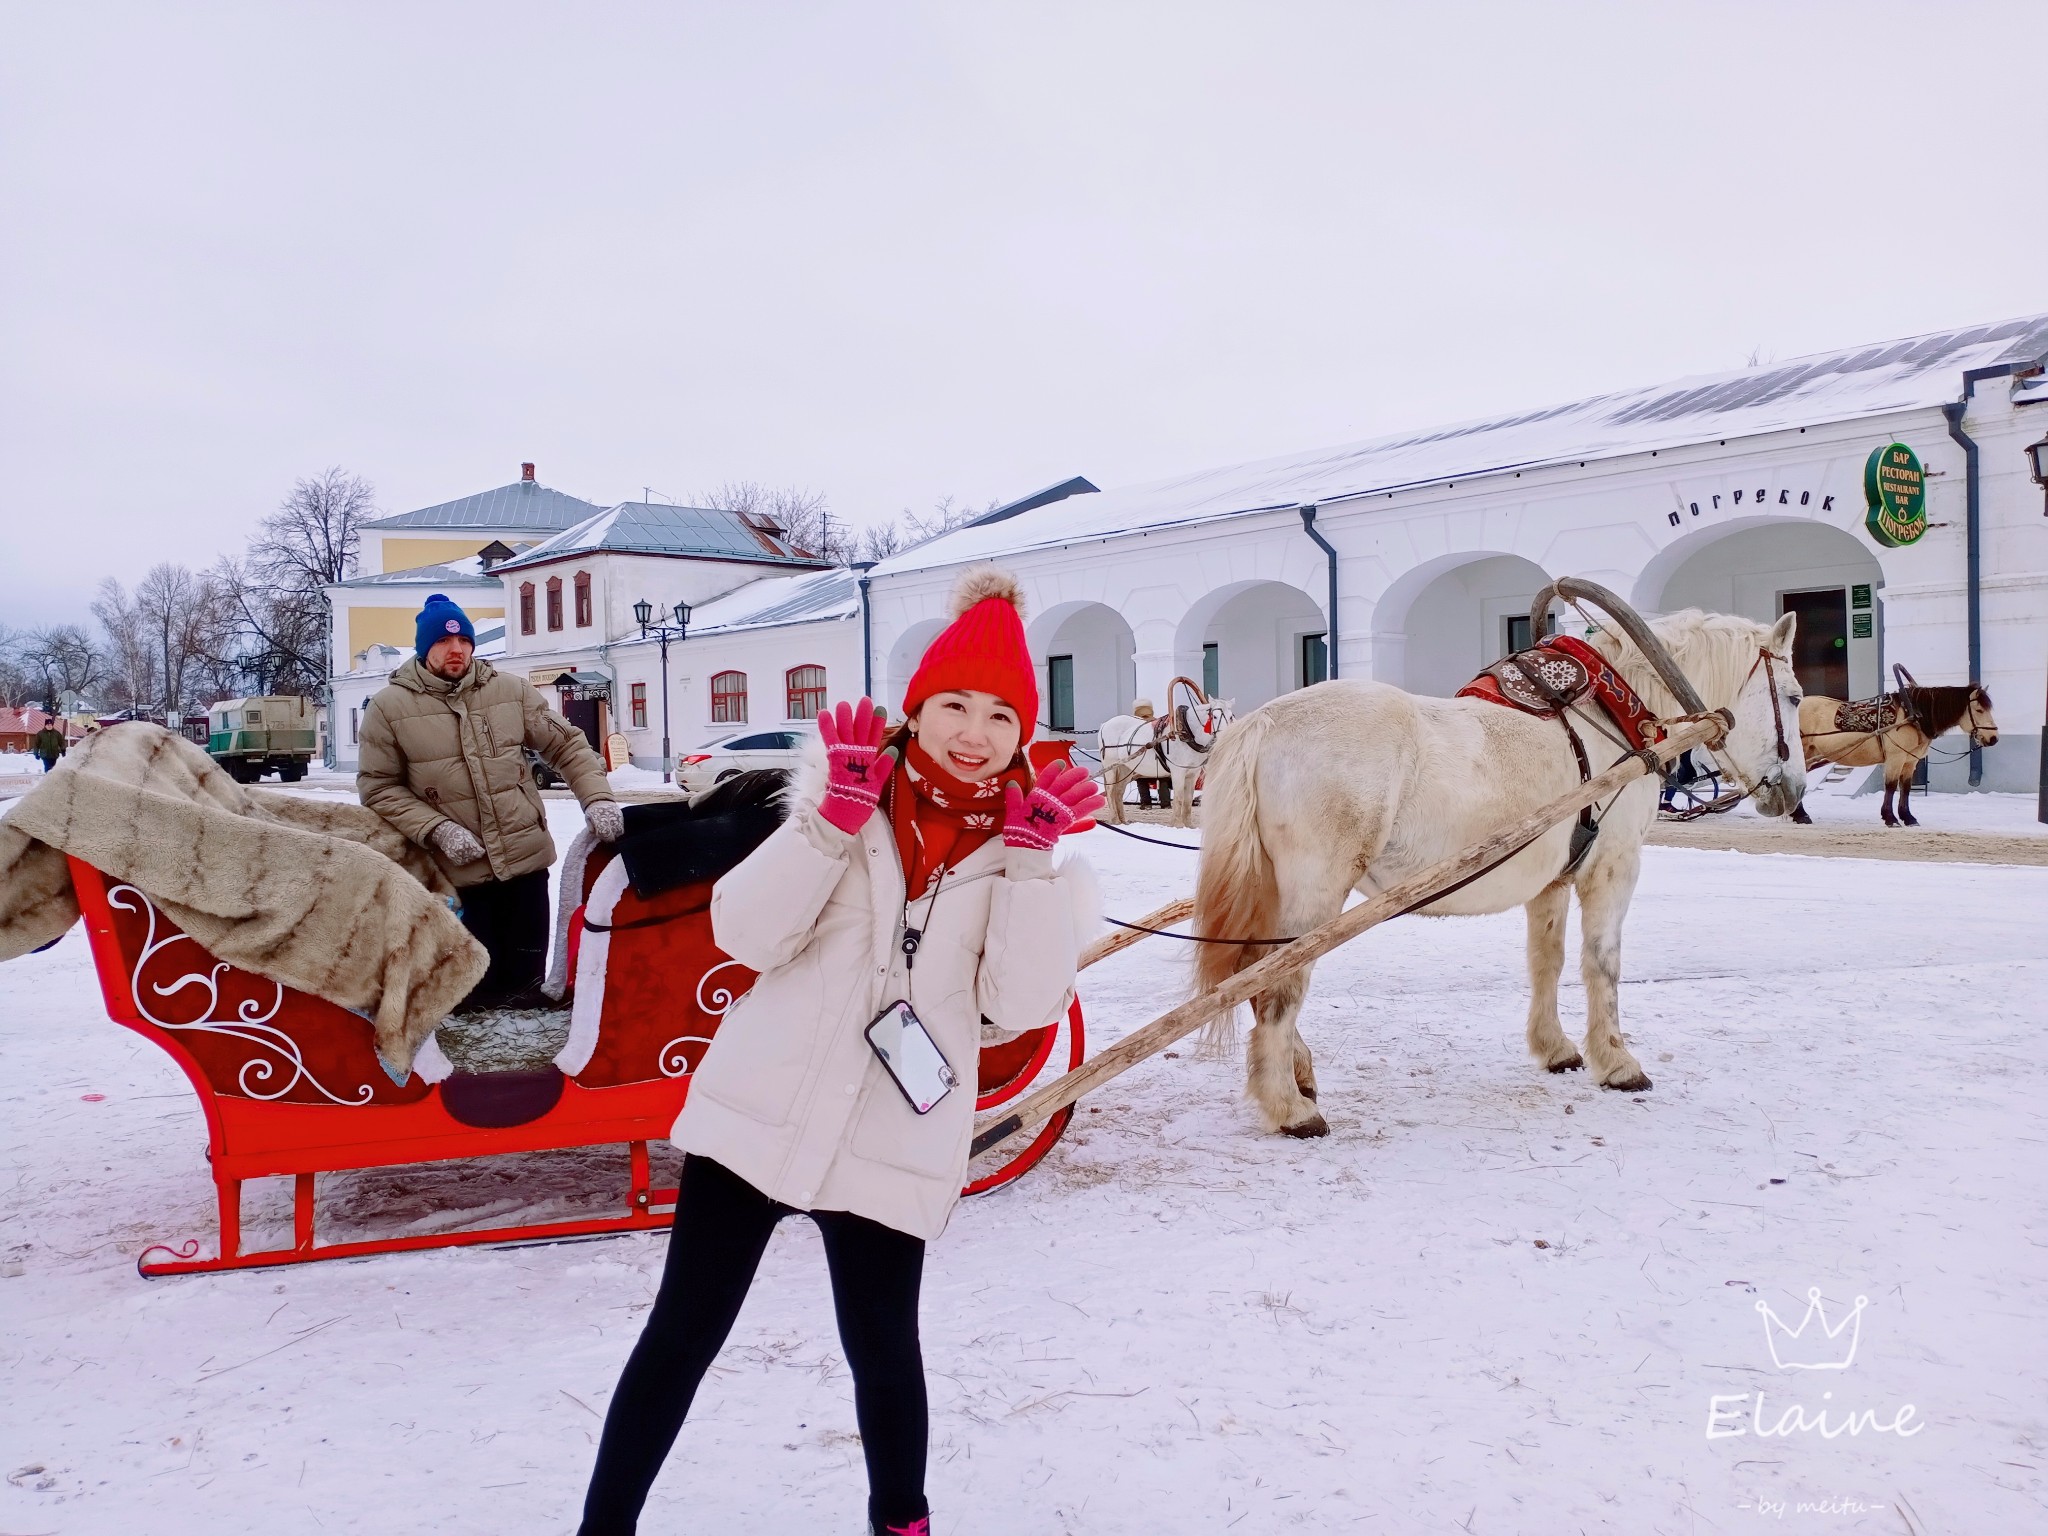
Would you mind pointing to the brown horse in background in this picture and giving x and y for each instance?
(1894, 729)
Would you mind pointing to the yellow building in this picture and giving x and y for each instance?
(446, 548)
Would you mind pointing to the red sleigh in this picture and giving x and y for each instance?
(291, 1084)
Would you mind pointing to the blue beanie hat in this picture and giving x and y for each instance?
(437, 621)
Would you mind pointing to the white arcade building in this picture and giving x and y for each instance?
(1743, 492)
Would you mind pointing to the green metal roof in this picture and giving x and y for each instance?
(524, 504)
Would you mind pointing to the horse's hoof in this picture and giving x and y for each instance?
(1307, 1130)
(1909, 821)
(1572, 1063)
(1636, 1082)
(1801, 819)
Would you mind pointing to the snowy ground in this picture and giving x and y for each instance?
(1491, 1301)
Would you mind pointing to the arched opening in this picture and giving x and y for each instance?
(1763, 568)
(904, 656)
(1252, 641)
(1086, 673)
(1437, 625)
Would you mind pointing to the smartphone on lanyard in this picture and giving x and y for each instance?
(911, 1057)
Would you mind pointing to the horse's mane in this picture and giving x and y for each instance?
(1942, 708)
(1714, 650)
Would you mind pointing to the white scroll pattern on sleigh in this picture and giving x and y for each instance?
(716, 1000)
(249, 1022)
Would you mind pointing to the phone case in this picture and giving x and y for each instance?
(911, 1057)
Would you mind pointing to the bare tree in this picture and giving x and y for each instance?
(277, 590)
(947, 513)
(15, 686)
(189, 621)
(316, 534)
(805, 516)
(58, 660)
(130, 660)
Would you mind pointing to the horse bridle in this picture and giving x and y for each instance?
(1187, 737)
(1768, 660)
(1976, 730)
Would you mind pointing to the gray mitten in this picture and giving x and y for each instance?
(605, 820)
(457, 844)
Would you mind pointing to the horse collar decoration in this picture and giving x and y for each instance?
(1558, 672)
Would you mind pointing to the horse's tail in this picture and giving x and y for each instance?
(1236, 894)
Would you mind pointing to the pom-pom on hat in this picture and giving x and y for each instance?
(437, 621)
(983, 648)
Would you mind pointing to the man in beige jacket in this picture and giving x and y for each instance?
(443, 759)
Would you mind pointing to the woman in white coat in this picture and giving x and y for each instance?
(916, 869)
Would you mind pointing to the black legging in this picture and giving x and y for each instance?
(722, 1225)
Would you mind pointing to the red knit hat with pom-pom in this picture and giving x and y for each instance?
(983, 648)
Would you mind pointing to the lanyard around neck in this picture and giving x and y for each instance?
(913, 937)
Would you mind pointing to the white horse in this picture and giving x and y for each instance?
(1355, 786)
(1176, 747)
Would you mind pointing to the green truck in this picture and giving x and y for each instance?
(252, 737)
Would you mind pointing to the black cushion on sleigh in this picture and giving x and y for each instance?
(674, 842)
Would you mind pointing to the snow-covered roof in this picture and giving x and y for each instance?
(658, 528)
(524, 504)
(468, 571)
(1874, 380)
(833, 594)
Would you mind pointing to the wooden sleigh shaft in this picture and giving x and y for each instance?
(1433, 882)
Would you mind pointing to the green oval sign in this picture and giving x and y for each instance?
(1896, 488)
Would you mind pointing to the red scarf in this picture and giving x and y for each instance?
(938, 819)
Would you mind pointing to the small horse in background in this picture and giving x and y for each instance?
(1349, 786)
(1176, 745)
(1894, 729)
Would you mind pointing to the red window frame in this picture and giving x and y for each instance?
(805, 689)
(583, 599)
(729, 698)
(526, 607)
(639, 701)
(554, 602)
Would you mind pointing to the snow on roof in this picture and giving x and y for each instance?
(468, 571)
(1916, 372)
(524, 504)
(833, 594)
(657, 528)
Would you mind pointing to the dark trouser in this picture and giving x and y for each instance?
(509, 918)
(1165, 794)
(48, 763)
(722, 1225)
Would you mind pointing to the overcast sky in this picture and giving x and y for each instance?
(893, 252)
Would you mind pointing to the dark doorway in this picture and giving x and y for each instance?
(1059, 686)
(1820, 649)
(587, 716)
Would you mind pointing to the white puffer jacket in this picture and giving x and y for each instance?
(789, 1095)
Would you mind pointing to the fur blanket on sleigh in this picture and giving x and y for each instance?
(321, 895)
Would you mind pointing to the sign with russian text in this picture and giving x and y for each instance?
(1896, 489)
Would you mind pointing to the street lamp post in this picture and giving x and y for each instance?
(643, 611)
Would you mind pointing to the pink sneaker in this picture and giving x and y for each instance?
(922, 1526)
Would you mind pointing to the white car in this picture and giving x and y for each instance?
(720, 759)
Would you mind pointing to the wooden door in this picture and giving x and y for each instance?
(1820, 649)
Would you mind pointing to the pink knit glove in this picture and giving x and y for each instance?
(1062, 796)
(856, 768)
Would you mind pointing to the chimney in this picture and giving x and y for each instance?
(526, 473)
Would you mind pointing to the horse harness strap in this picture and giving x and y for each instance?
(1186, 737)
(1550, 678)
(1587, 827)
